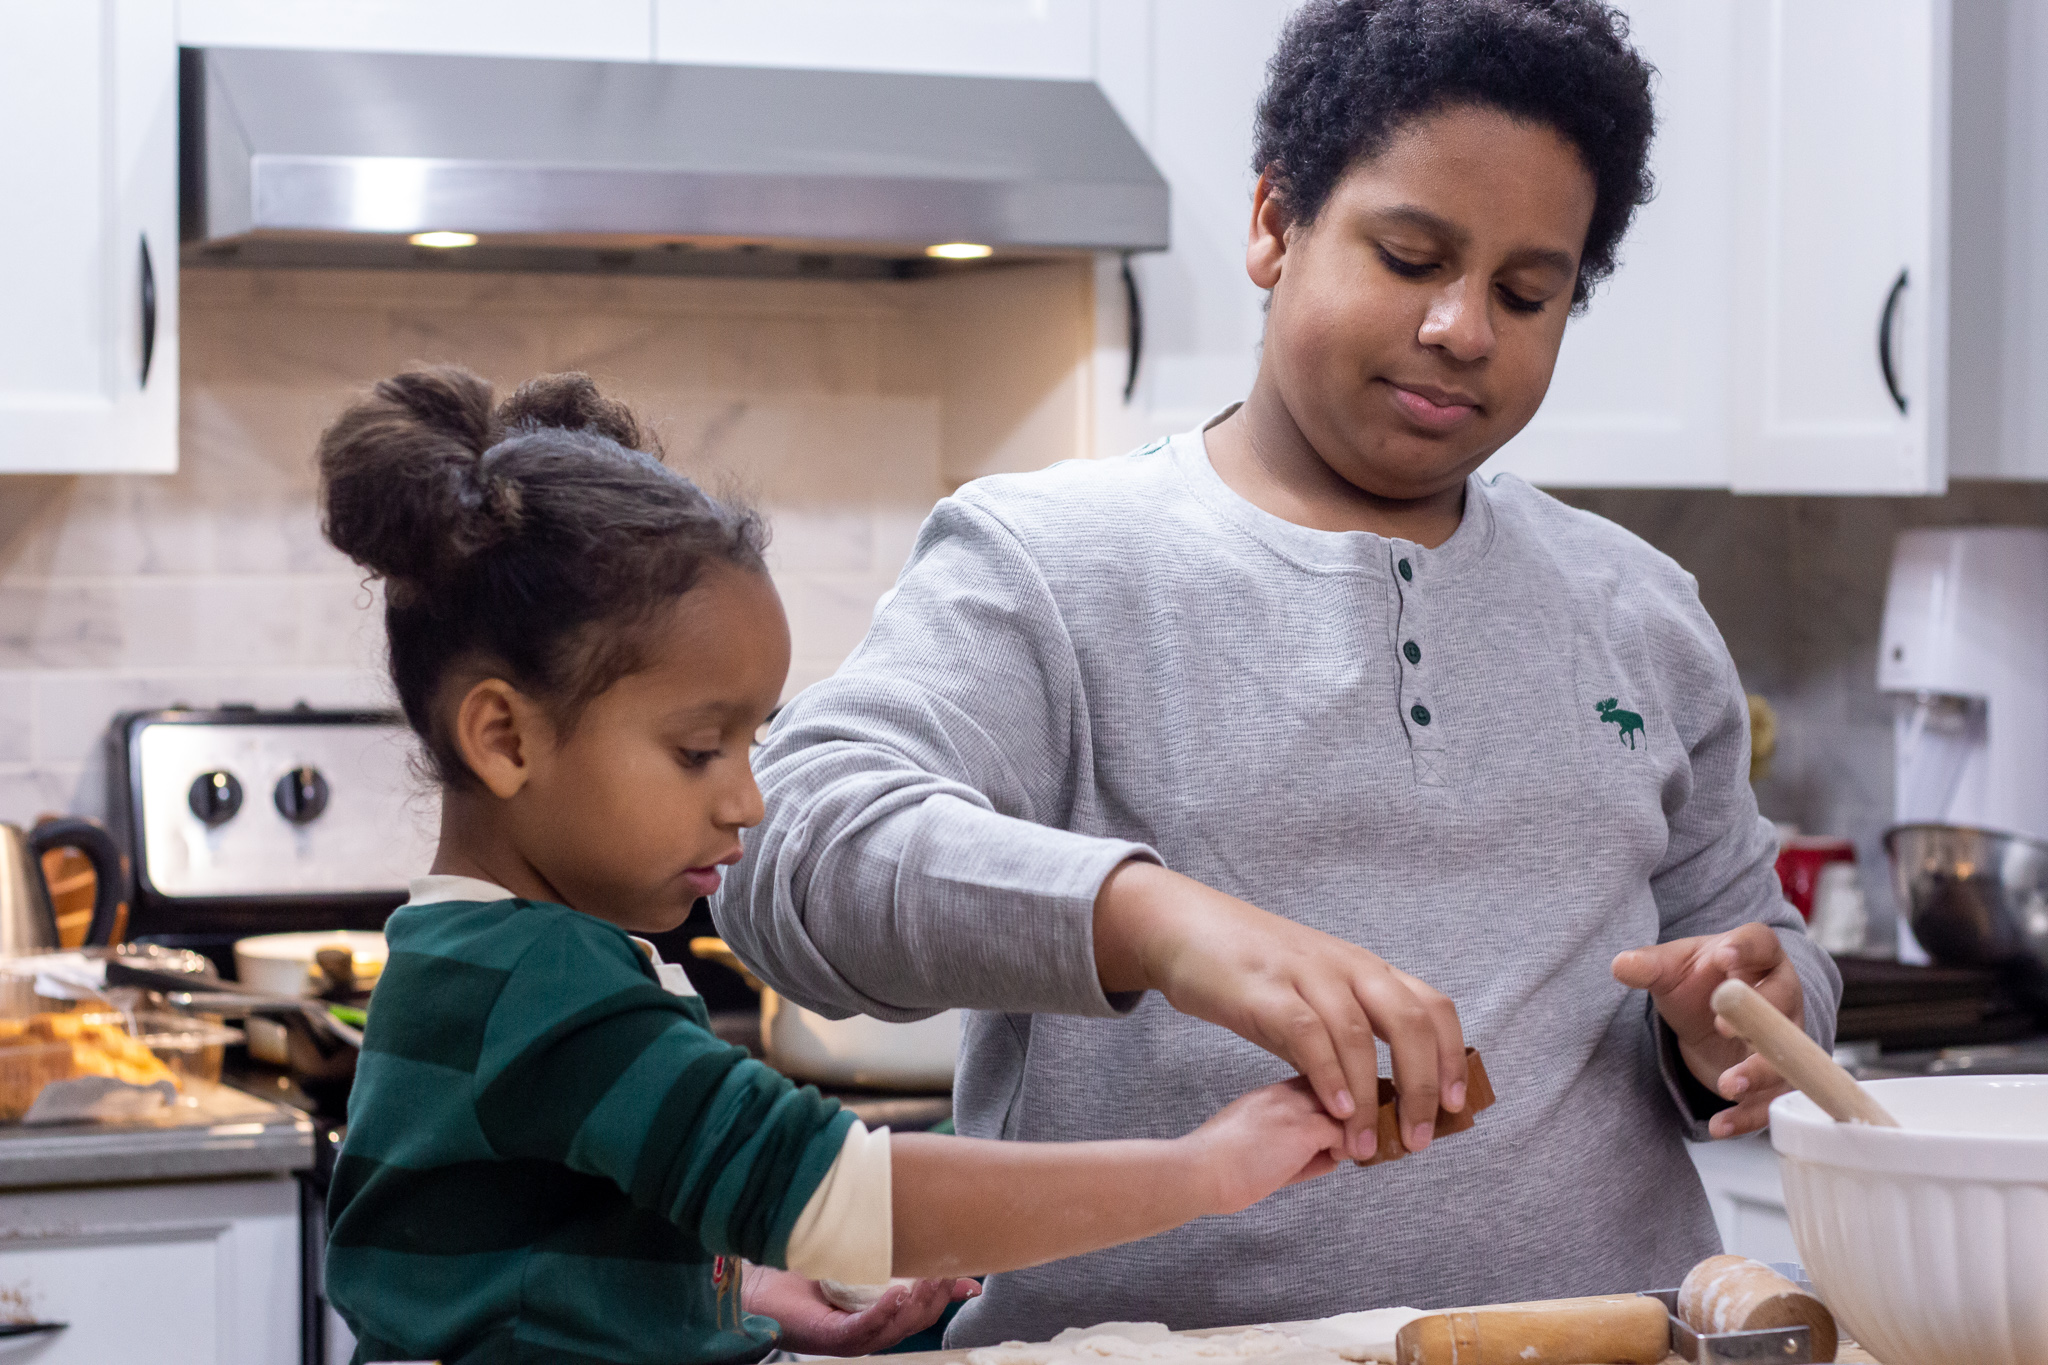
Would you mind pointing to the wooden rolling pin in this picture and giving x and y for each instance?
(1735, 1294)
(1478, 1095)
(1798, 1058)
(1611, 1329)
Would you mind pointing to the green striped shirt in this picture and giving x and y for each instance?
(547, 1151)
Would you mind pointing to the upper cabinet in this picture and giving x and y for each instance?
(1842, 274)
(1640, 395)
(588, 30)
(1780, 320)
(1052, 39)
(89, 265)
(1047, 39)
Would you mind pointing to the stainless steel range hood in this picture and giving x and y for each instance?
(336, 158)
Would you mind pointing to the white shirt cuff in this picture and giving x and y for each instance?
(846, 1232)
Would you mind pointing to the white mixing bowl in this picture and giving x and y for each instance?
(1929, 1241)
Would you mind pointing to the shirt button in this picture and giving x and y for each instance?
(1420, 712)
(1413, 651)
(1407, 574)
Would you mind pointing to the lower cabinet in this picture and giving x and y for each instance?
(201, 1272)
(1748, 1195)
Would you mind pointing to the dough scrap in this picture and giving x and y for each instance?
(855, 1298)
(1348, 1337)
(1361, 1336)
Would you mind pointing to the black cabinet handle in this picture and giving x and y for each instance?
(1135, 318)
(1884, 340)
(148, 311)
(30, 1329)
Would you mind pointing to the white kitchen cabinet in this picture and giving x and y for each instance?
(592, 30)
(1802, 203)
(1047, 39)
(1185, 78)
(89, 253)
(1640, 396)
(1998, 218)
(1748, 1196)
(201, 1272)
(1842, 266)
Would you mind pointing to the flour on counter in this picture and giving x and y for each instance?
(1348, 1337)
(1360, 1336)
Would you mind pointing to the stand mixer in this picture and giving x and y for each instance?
(1964, 651)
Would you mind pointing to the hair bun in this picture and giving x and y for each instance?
(571, 402)
(405, 488)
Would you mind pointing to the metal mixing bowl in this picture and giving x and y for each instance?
(1975, 898)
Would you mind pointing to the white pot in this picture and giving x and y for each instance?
(282, 964)
(1928, 1241)
(803, 1044)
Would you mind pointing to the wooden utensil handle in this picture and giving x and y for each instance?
(1625, 1329)
(1798, 1058)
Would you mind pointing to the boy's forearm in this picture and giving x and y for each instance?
(968, 1206)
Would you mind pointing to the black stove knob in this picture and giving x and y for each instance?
(215, 797)
(301, 795)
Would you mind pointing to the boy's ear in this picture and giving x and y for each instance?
(498, 731)
(1267, 245)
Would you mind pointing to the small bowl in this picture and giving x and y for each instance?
(1928, 1241)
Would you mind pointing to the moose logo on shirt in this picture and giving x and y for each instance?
(1629, 723)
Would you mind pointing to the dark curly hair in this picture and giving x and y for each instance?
(1349, 73)
(532, 539)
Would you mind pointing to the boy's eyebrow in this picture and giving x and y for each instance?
(1414, 215)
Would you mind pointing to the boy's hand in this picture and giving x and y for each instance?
(1680, 977)
(1312, 1000)
(811, 1326)
(1265, 1141)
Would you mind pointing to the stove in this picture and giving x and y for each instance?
(246, 822)
(1903, 1020)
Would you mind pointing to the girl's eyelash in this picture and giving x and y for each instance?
(1517, 304)
(697, 758)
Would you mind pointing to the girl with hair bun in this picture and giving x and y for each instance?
(549, 1155)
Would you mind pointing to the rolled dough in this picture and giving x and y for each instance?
(1348, 1337)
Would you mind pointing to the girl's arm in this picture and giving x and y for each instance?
(967, 1206)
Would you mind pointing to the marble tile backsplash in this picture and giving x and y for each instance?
(816, 401)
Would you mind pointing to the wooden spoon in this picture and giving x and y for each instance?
(1798, 1058)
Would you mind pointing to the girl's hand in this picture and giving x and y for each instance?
(1681, 975)
(1265, 1141)
(1312, 1000)
(811, 1326)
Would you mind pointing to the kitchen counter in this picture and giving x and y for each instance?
(1849, 1353)
(224, 1133)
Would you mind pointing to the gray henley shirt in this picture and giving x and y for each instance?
(1495, 763)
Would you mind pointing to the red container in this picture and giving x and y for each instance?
(1800, 860)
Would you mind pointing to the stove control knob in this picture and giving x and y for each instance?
(214, 798)
(301, 795)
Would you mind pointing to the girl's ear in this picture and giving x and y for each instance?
(499, 732)
(1268, 244)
